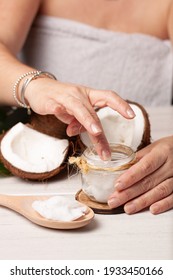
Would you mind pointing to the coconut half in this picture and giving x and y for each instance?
(134, 133)
(30, 154)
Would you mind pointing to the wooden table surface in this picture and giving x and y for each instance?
(139, 236)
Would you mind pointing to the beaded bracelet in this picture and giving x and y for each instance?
(35, 75)
(16, 85)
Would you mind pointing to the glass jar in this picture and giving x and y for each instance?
(98, 176)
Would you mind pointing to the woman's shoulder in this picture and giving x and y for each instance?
(155, 17)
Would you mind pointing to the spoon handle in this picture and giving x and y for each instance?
(9, 201)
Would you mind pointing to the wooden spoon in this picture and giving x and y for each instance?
(23, 205)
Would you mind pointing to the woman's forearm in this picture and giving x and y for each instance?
(10, 70)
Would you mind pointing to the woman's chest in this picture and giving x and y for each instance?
(129, 16)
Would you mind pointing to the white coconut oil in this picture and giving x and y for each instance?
(60, 208)
(98, 179)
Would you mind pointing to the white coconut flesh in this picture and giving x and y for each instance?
(32, 151)
(118, 129)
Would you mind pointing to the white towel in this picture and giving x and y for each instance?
(138, 67)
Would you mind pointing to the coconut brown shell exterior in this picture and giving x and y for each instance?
(146, 137)
(49, 124)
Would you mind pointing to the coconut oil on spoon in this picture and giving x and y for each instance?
(23, 205)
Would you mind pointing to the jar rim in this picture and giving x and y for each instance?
(121, 155)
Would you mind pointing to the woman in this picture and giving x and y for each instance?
(101, 44)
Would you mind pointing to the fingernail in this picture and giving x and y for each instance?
(154, 209)
(130, 208)
(95, 128)
(114, 202)
(130, 113)
(119, 186)
(106, 155)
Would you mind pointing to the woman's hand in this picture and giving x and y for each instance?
(74, 105)
(148, 183)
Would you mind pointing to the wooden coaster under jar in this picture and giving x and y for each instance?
(98, 208)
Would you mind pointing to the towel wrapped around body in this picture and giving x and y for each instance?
(138, 67)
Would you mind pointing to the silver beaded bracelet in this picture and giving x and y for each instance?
(34, 75)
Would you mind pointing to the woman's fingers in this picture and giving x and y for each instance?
(101, 146)
(120, 197)
(80, 102)
(84, 113)
(70, 102)
(64, 100)
(140, 187)
(94, 128)
(87, 117)
(100, 98)
(159, 197)
(149, 182)
(99, 142)
(75, 128)
(145, 166)
(142, 195)
(75, 109)
(81, 118)
(162, 205)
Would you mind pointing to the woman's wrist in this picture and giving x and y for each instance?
(20, 86)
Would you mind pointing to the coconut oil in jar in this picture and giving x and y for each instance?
(98, 176)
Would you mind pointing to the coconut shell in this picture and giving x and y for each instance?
(49, 124)
(146, 139)
(31, 175)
